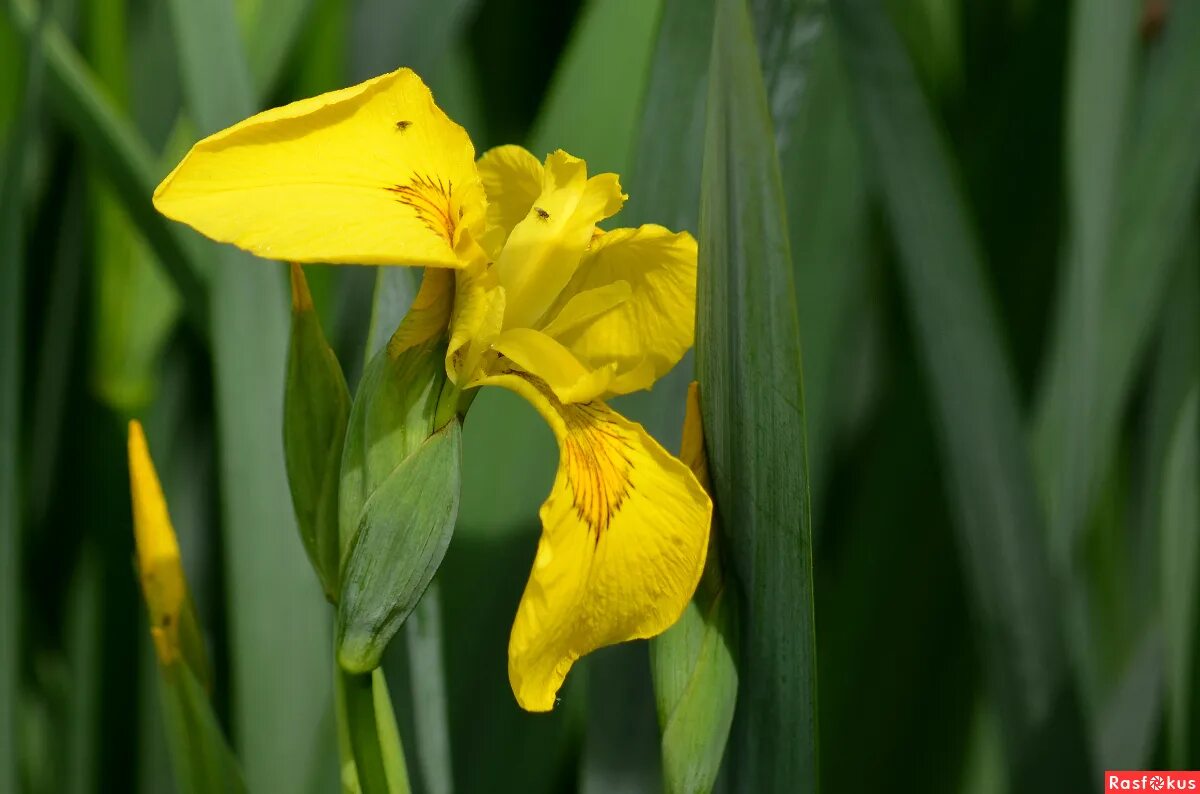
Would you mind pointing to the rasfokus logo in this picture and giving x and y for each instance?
(1151, 781)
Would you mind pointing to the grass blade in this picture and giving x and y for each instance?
(277, 613)
(748, 336)
(975, 401)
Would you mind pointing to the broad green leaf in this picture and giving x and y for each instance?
(1178, 592)
(203, 762)
(747, 335)
(821, 165)
(402, 533)
(277, 610)
(316, 408)
(1158, 172)
(125, 156)
(987, 465)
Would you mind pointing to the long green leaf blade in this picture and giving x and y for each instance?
(984, 456)
(748, 362)
(279, 633)
(1157, 179)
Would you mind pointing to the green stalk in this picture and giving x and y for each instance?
(372, 753)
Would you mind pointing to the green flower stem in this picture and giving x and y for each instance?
(367, 734)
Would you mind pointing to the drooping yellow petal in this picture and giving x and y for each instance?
(544, 248)
(649, 332)
(546, 359)
(512, 179)
(159, 565)
(373, 174)
(624, 537)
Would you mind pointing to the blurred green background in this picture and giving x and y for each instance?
(995, 250)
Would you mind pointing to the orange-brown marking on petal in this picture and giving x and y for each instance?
(430, 199)
(598, 458)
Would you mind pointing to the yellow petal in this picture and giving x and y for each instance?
(159, 566)
(429, 315)
(374, 174)
(624, 537)
(541, 356)
(544, 248)
(512, 179)
(475, 321)
(649, 332)
(584, 307)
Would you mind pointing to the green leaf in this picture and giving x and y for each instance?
(990, 482)
(664, 175)
(1180, 531)
(1158, 171)
(696, 681)
(821, 165)
(204, 764)
(402, 533)
(1102, 70)
(747, 338)
(278, 643)
(316, 409)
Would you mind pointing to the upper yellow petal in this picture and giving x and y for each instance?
(512, 179)
(543, 251)
(646, 334)
(624, 538)
(159, 565)
(373, 174)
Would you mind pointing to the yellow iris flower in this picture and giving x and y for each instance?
(537, 299)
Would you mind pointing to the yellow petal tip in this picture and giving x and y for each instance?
(159, 565)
